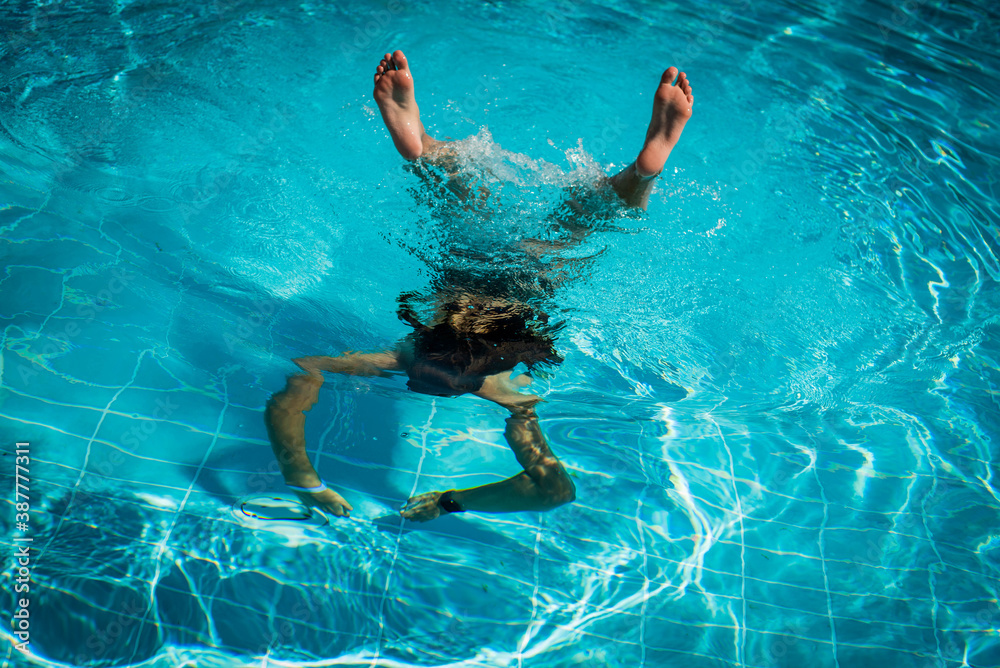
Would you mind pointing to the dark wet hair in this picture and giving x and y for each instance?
(450, 362)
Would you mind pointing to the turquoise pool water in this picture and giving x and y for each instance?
(779, 399)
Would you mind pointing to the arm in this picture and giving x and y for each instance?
(351, 364)
(285, 419)
(543, 485)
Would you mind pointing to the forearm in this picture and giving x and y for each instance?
(512, 495)
(352, 364)
(543, 485)
(285, 420)
(290, 452)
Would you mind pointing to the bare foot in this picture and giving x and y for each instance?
(672, 106)
(394, 96)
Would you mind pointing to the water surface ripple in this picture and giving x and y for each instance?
(779, 395)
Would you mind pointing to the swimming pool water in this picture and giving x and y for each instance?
(779, 402)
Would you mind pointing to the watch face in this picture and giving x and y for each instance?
(449, 504)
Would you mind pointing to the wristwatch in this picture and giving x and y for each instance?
(448, 504)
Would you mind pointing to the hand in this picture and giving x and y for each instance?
(422, 508)
(327, 500)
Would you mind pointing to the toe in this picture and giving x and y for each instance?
(683, 83)
(399, 59)
(668, 76)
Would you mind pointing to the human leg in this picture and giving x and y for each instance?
(394, 94)
(398, 104)
(672, 107)
(582, 211)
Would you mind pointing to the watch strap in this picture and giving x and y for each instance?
(448, 504)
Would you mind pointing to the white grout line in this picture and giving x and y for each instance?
(336, 418)
(931, 575)
(86, 457)
(742, 623)
(533, 625)
(642, 544)
(826, 576)
(645, 583)
(399, 537)
(161, 545)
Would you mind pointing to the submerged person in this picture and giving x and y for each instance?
(475, 339)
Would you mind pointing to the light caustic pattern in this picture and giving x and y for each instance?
(779, 395)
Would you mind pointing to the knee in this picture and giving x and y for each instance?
(557, 489)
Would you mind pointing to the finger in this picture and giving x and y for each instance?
(412, 502)
(415, 512)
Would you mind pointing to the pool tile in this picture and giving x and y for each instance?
(764, 594)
